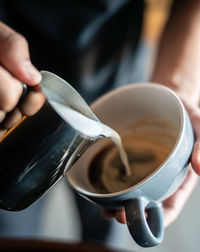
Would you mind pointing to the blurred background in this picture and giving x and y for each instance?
(61, 217)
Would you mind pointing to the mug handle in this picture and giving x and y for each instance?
(147, 232)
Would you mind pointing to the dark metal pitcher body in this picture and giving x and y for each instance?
(34, 156)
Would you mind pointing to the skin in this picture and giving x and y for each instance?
(177, 66)
(15, 68)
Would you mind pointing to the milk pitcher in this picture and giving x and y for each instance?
(36, 153)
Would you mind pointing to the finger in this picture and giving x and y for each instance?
(194, 114)
(110, 214)
(2, 133)
(14, 56)
(2, 115)
(174, 204)
(10, 91)
(32, 102)
(11, 119)
(195, 158)
(121, 217)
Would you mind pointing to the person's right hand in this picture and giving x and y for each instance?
(15, 69)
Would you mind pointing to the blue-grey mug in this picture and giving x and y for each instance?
(151, 110)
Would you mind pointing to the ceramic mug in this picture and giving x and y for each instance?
(141, 104)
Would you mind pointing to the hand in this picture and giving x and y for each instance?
(15, 68)
(173, 205)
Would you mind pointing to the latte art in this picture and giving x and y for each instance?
(107, 171)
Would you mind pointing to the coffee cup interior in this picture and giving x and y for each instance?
(152, 111)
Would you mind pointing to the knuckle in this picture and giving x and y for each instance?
(10, 97)
(8, 102)
(14, 41)
(12, 118)
(32, 103)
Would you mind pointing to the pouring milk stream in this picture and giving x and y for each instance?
(92, 129)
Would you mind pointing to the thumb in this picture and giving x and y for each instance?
(14, 56)
(195, 157)
(194, 115)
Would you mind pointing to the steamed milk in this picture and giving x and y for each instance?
(93, 129)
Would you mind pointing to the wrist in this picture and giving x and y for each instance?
(187, 89)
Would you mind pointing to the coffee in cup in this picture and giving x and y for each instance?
(146, 151)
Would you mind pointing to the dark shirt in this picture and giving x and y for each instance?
(89, 43)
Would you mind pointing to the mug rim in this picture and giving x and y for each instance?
(172, 153)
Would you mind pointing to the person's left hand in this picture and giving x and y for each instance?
(173, 205)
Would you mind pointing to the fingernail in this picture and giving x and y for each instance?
(32, 73)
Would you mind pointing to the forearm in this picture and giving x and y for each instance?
(178, 60)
